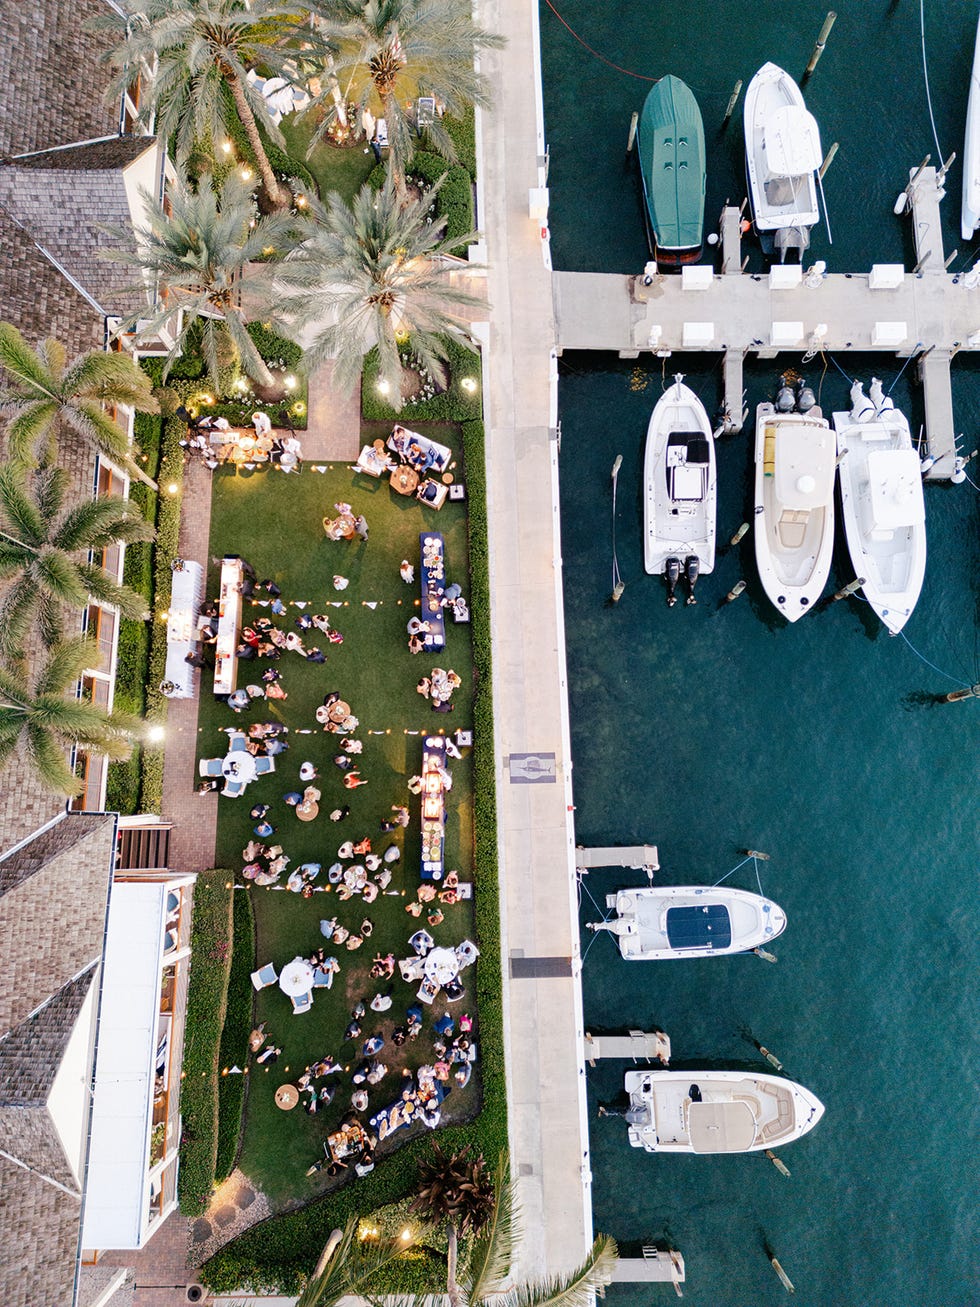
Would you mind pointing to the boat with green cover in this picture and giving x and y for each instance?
(671, 148)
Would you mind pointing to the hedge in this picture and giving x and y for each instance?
(211, 934)
(233, 1051)
(452, 405)
(463, 134)
(454, 200)
(278, 1254)
(276, 350)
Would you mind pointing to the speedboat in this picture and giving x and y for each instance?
(794, 504)
(716, 1111)
(782, 155)
(671, 152)
(883, 504)
(970, 212)
(690, 921)
(680, 489)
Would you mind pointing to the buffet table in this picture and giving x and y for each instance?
(186, 594)
(433, 799)
(229, 621)
(432, 578)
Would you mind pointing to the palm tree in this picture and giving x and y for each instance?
(340, 1270)
(39, 392)
(40, 545)
(389, 52)
(371, 274)
(42, 719)
(197, 250)
(197, 52)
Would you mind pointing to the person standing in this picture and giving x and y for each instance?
(361, 527)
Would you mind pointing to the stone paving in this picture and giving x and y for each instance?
(237, 1205)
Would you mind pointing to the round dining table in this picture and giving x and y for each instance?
(441, 965)
(338, 711)
(404, 480)
(307, 811)
(238, 766)
(287, 1096)
(296, 978)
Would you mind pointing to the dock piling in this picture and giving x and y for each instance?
(632, 136)
(784, 1279)
(831, 155)
(732, 101)
(778, 1163)
(818, 49)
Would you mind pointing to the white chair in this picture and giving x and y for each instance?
(237, 742)
(411, 969)
(422, 942)
(210, 767)
(323, 979)
(302, 1003)
(466, 953)
(233, 789)
(264, 765)
(265, 976)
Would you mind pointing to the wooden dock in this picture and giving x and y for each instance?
(636, 1046)
(656, 1266)
(638, 857)
(930, 314)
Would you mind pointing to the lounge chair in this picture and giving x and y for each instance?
(427, 991)
(264, 765)
(432, 493)
(265, 976)
(466, 953)
(454, 990)
(233, 789)
(210, 766)
(302, 1003)
(322, 979)
(422, 942)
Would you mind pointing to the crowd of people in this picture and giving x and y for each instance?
(214, 440)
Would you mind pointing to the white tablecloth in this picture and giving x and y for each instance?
(186, 593)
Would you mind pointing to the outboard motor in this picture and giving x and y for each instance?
(883, 403)
(805, 398)
(692, 568)
(785, 398)
(672, 574)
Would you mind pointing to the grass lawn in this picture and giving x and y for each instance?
(335, 168)
(274, 521)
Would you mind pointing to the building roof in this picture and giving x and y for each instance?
(51, 88)
(54, 892)
(38, 299)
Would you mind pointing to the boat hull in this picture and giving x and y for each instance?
(691, 921)
(780, 137)
(794, 507)
(970, 211)
(716, 1111)
(670, 141)
(883, 508)
(680, 482)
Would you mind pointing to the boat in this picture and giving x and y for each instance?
(795, 454)
(782, 155)
(970, 211)
(680, 489)
(690, 921)
(716, 1111)
(882, 502)
(672, 167)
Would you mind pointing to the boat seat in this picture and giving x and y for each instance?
(779, 190)
(792, 528)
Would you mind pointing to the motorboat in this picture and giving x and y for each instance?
(690, 921)
(782, 155)
(716, 1111)
(680, 489)
(882, 502)
(970, 211)
(795, 454)
(672, 166)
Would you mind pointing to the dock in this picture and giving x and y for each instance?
(636, 1045)
(927, 314)
(656, 1266)
(637, 857)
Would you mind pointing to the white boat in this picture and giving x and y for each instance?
(782, 155)
(794, 506)
(970, 211)
(690, 921)
(716, 1111)
(680, 493)
(882, 502)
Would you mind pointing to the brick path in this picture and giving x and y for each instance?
(160, 1268)
(334, 421)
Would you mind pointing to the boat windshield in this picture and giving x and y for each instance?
(703, 926)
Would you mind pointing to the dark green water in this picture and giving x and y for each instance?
(708, 731)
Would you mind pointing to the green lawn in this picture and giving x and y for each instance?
(335, 168)
(274, 521)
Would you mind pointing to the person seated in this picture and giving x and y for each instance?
(416, 626)
(262, 423)
(315, 655)
(415, 644)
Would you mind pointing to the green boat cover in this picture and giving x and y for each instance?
(671, 144)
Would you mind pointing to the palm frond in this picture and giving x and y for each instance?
(30, 430)
(17, 613)
(104, 588)
(576, 1289)
(48, 758)
(493, 1247)
(24, 366)
(65, 664)
(20, 513)
(96, 523)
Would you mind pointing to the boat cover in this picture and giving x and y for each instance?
(895, 478)
(792, 142)
(672, 161)
(721, 1127)
(805, 465)
(699, 926)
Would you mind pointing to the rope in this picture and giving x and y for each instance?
(641, 77)
(904, 366)
(964, 685)
(925, 74)
(732, 872)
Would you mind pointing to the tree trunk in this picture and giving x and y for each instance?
(390, 105)
(277, 195)
(453, 1291)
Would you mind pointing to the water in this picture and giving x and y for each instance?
(709, 731)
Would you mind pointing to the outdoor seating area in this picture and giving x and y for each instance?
(415, 465)
(215, 442)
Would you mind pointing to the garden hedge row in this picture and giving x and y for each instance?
(452, 405)
(211, 944)
(278, 1254)
(232, 1090)
(454, 201)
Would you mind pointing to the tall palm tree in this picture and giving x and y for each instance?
(42, 719)
(389, 52)
(339, 1272)
(198, 250)
(371, 274)
(196, 49)
(40, 548)
(39, 392)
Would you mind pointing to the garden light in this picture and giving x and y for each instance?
(383, 387)
(155, 733)
(172, 488)
(289, 382)
(469, 385)
(226, 147)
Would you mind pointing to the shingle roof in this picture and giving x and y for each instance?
(51, 88)
(38, 300)
(112, 153)
(39, 1228)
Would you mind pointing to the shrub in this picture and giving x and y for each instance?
(452, 405)
(281, 354)
(206, 998)
(454, 201)
(463, 133)
(285, 167)
(234, 1036)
